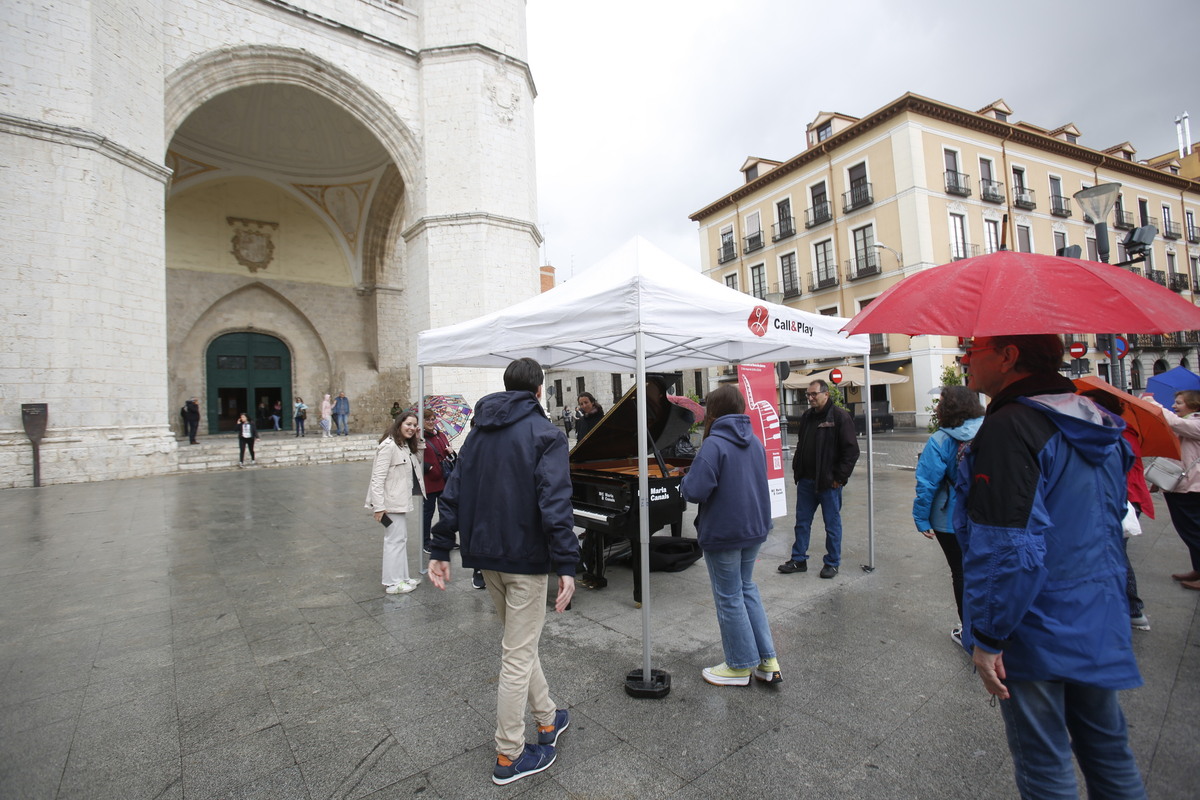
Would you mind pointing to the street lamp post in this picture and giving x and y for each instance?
(1097, 202)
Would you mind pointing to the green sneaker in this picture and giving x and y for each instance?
(725, 675)
(768, 671)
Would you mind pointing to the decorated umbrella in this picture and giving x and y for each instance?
(1164, 385)
(451, 412)
(1007, 293)
(688, 403)
(1146, 418)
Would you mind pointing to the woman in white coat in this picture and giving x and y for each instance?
(396, 481)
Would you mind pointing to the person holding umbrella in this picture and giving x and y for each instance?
(1044, 610)
(1184, 500)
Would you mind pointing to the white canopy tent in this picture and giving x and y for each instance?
(640, 310)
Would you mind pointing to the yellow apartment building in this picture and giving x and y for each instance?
(920, 183)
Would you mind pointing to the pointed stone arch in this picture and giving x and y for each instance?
(204, 77)
(254, 307)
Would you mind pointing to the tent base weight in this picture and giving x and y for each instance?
(658, 687)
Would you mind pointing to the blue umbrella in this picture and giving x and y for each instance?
(1177, 379)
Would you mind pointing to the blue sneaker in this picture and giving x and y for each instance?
(562, 720)
(536, 758)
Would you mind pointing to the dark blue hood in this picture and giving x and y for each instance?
(733, 428)
(501, 409)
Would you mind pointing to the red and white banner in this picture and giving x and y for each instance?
(757, 382)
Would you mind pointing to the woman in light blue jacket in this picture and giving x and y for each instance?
(959, 416)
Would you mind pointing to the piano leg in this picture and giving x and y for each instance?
(592, 550)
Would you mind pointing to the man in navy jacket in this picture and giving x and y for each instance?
(510, 500)
(1044, 609)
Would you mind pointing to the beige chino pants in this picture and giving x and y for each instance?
(521, 604)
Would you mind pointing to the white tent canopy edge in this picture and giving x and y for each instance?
(640, 310)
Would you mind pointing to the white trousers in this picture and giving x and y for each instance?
(395, 549)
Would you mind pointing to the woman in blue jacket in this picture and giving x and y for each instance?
(959, 415)
(728, 479)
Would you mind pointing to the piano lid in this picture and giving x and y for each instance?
(614, 437)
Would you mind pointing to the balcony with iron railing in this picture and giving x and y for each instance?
(1172, 230)
(1135, 270)
(1024, 198)
(962, 250)
(865, 265)
(1060, 206)
(823, 281)
(1193, 234)
(790, 286)
(726, 252)
(1196, 285)
(784, 228)
(1161, 340)
(1179, 283)
(1158, 276)
(754, 242)
(1151, 221)
(858, 197)
(1122, 220)
(819, 213)
(958, 183)
(991, 191)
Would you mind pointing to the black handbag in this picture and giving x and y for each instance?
(448, 464)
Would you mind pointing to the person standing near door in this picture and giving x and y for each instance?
(247, 432)
(191, 418)
(326, 417)
(341, 410)
(300, 414)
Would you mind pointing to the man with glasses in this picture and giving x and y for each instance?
(826, 452)
(1044, 610)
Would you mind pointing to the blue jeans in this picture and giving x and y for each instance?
(830, 501)
(745, 634)
(339, 421)
(1046, 720)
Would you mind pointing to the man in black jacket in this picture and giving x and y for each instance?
(510, 499)
(826, 452)
(191, 418)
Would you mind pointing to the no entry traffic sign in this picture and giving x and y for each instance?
(835, 376)
(1078, 349)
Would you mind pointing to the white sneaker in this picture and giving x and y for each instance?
(403, 587)
(413, 582)
(956, 635)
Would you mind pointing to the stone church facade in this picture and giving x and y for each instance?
(249, 202)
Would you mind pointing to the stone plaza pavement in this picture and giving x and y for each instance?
(224, 635)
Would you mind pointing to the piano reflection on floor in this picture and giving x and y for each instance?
(604, 481)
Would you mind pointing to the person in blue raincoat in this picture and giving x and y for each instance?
(1044, 610)
(959, 416)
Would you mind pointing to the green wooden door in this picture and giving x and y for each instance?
(247, 374)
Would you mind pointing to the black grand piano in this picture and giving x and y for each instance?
(604, 479)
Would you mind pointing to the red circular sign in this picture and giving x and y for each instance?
(835, 376)
(1078, 349)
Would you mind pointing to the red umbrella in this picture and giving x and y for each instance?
(1157, 438)
(1007, 293)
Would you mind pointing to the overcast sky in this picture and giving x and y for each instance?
(646, 110)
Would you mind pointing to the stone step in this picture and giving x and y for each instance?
(275, 450)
